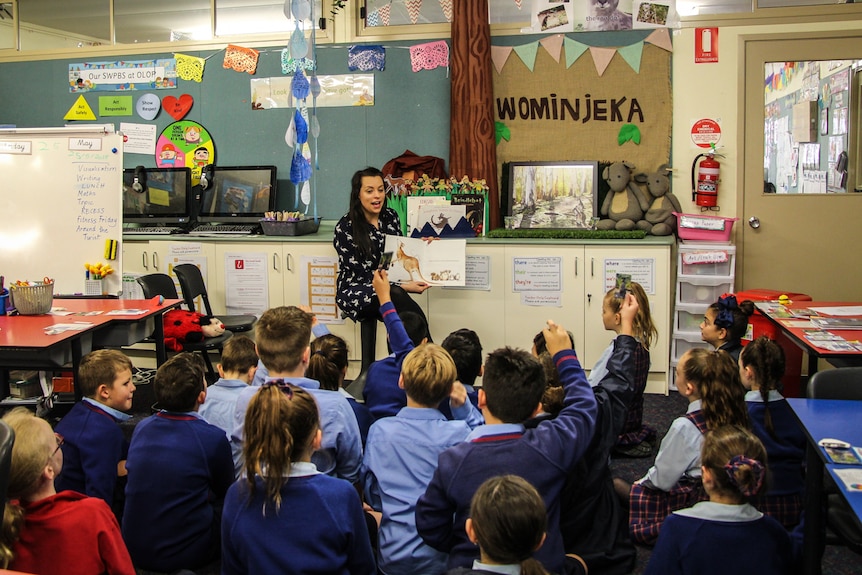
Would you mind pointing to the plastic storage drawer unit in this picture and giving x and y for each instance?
(702, 289)
(706, 260)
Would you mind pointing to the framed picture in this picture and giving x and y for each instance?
(554, 195)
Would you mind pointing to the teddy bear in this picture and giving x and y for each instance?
(625, 203)
(659, 219)
(182, 326)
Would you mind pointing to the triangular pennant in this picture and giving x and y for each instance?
(660, 38)
(527, 53)
(446, 6)
(499, 55)
(553, 45)
(632, 55)
(602, 57)
(384, 14)
(80, 110)
(574, 50)
(414, 7)
(518, 4)
(373, 19)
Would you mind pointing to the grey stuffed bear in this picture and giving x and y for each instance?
(659, 219)
(625, 203)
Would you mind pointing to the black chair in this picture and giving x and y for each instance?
(192, 285)
(7, 439)
(163, 285)
(840, 383)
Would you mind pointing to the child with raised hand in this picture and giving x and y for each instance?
(283, 516)
(710, 381)
(508, 522)
(761, 367)
(466, 350)
(634, 438)
(401, 456)
(725, 323)
(95, 447)
(701, 539)
(236, 372)
(328, 364)
(47, 532)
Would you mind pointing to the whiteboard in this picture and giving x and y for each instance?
(60, 200)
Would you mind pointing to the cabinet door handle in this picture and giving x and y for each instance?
(288, 261)
(576, 266)
(592, 267)
(156, 260)
(589, 297)
(146, 261)
(275, 261)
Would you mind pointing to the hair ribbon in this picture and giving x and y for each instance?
(757, 469)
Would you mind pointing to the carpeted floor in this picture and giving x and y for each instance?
(659, 412)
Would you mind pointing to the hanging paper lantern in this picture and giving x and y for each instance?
(298, 46)
(300, 168)
(299, 86)
(301, 9)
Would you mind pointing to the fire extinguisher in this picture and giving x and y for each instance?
(704, 192)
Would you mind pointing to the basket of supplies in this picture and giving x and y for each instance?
(33, 299)
(703, 228)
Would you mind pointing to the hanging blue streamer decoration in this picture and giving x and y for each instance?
(300, 169)
(366, 58)
(299, 86)
(301, 128)
(298, 45)
(315, 87)
(301, 9)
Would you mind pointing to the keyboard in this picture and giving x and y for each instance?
(224, 230)
(149, 230)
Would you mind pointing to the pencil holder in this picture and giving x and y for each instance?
(93, 287)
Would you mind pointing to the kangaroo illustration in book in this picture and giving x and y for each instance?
(409, 263)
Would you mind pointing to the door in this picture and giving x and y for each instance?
(805, 243)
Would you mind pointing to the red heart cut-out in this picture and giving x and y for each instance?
(178, 108)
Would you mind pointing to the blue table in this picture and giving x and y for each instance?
(822, 418)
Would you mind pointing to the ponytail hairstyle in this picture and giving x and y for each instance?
(737, 461)
(716, 378)
(732, 315)
(765, 358)
(328, 361)
(360, 225)
(280, 425)
(30, 454)
(643, 328)
(509, 522)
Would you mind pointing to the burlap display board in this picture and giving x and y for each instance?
(647, 104)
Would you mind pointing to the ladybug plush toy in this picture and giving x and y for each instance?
(183, 327)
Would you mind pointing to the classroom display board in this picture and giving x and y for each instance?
(61, 205)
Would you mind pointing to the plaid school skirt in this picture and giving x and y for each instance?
(786, 509)
(648, 507)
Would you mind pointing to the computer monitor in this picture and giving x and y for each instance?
(164, 196)
(238, 194)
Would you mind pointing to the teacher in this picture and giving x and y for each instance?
(360, 236)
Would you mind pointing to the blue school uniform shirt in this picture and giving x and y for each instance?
(544, 456)
(400, 459)
(340, 452)
(179, 471)
(714, 539)
(93, 446)
(785, 451)
(678, 455)
(220, 403)
(381, 393)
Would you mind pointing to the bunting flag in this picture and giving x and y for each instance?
(414, 7)
(429, 56)
(240, 59)
(527, 53)
(602, 57)
(373, 19)
(553, 45)
(446, 6)
(518, 4)
(366, 58)
(660, 38)
(499, 55)
(574, 50)
(384, 14)
(632, 55)
(190, 67)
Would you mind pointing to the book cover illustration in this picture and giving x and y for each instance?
(442, 221)
(475, 210)
(439, 263)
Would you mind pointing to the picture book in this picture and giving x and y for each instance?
(438, 262)
(475, 211)
(442, 221)
(416, 202)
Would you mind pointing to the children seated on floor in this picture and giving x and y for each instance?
(512, 388)
(725, 530)
(283, 516)
(52, 533)
(401, 456)
(282, 335)
(179, 470)
(725, 323)
(95, 448)
(466, 351)
(236, 371)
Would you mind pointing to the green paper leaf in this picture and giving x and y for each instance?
(629, 132)
(502, 132)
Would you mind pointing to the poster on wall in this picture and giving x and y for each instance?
(123, 75)
(339, 90)
(185, 144)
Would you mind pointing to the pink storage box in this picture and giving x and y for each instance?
(703, 228)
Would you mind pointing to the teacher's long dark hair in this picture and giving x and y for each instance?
(361, 227)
